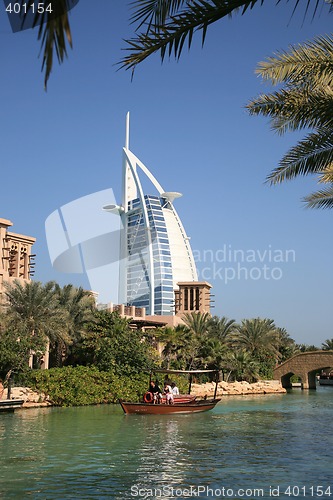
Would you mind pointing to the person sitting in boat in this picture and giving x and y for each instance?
(175, 390)
(156, 392)
(168, 394)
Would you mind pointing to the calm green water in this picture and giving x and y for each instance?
(245, 443)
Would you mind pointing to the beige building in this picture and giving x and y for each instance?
(191, 296)
(16, 257)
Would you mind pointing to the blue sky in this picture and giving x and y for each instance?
(189, 126)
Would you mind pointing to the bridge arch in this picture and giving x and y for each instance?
(305, 366)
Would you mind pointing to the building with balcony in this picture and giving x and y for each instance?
(16, 257)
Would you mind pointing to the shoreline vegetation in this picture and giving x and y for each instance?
(35, 399)
(96, 356)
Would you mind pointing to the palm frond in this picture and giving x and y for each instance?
(312, 155)
(170, 36)
(154, 12)
(327, 175)
(310, 62)
(53, 31)
(169, 24)
(53, 35)
(295, 108)
(320, 199)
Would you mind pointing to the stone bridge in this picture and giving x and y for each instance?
(305, 365)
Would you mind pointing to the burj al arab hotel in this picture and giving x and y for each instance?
(155, 253)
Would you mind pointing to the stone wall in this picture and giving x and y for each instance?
(31, 398)
(238, 388)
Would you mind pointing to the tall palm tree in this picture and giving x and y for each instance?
(167, 24)
(174, 340)
(33, 308)
(197, 330)
(196, 322)
(80, 305)
(221, 328)
(305, 101)
(257, 336)
(287, 345)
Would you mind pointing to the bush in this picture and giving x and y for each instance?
(81, 385)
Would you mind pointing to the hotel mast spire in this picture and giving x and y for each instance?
(129, 185)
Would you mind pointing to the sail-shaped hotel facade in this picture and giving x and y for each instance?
(155, 254)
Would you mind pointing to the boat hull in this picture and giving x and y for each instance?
(164, 409)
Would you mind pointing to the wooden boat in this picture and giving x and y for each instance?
(166, 409)
(182, 404)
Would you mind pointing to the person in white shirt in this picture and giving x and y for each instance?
(168, 394)
(175, 390)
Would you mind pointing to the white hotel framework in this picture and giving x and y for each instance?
(157, 268)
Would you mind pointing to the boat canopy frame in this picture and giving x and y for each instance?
(189, 372)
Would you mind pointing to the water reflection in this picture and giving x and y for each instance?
(98, 452)
(161, 456)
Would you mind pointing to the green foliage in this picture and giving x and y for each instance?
(82, 385)
(79, 304)
(110, 344)
(243, 366)
(34, 307)
(287, 346)
(15, 348)
(258, 335)
(248, 351)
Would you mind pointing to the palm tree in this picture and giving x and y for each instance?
(258, 336)
(327, 345)
(287, 345)
(197, 329)
(243, 366)
(196, 322)
(168, 24)
(173, 340)
(80, 305)
(213, 353)
(33, 308)
(305, 101)
(221, 328)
